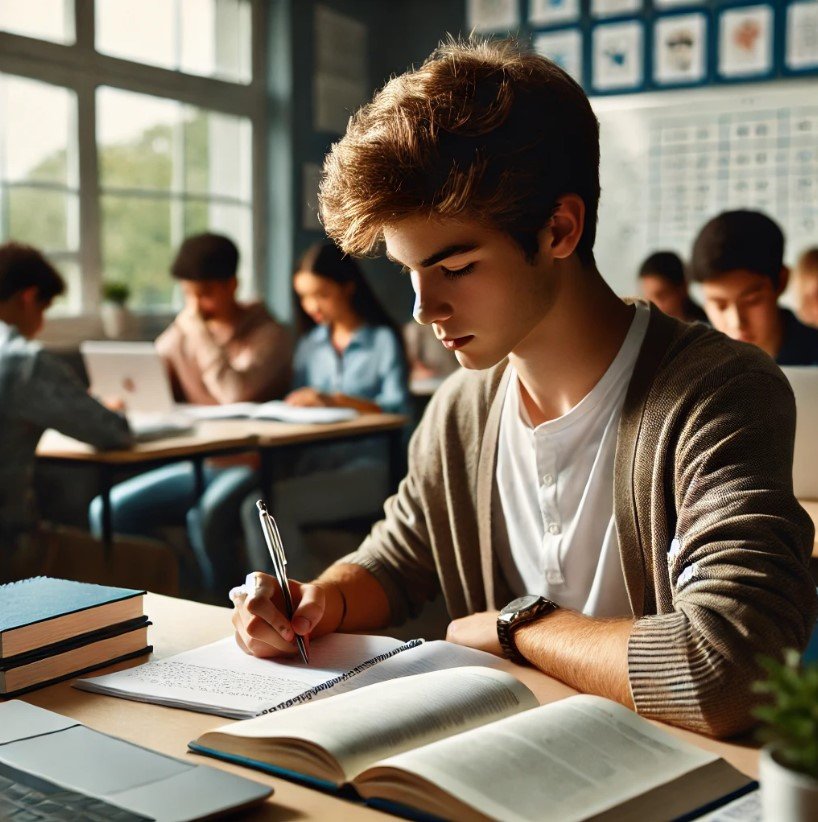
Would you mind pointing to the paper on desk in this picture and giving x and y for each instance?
(221, 679)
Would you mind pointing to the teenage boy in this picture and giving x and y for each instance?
(805, 278)
(37, 392)
(218, 350)
(738, 258)
(627, 475)
(663, 283)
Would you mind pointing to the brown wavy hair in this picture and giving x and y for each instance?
(482, 130)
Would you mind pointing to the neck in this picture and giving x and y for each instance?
(9, 313)
(567, 353)
(345, 325)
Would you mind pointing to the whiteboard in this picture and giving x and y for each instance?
(671, 160)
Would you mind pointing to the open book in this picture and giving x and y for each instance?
(472, 744)
(221, 679)
(273, 410)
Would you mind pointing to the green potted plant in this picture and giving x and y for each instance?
(789, 761)
(114, 312)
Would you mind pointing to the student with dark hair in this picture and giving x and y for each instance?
(662, 279)
(37, 392)
(601, 491)
(805, 279)
(738, 257)
(218, 350)
(350, 355)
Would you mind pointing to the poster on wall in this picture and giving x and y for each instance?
(802, 36)
(564, 48)
(614, 8)
(493, 15)
(746, 41)
(680, 49)
(551, 12)
(618, 56)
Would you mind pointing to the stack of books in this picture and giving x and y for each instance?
(53, 629)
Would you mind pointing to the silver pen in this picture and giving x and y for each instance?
(279, 558)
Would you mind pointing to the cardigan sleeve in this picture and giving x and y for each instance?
(737, 565)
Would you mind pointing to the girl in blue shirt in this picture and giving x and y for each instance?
(349, 354)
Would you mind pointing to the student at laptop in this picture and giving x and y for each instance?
(629, 475)
(805, 277)
(349, 354)
(37, 391)
(738, 258)
(218, 350)
(662, 280)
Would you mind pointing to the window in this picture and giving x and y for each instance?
(167, 170)
(168, 87)
(207, 37)
(39, 189)
(44, 19)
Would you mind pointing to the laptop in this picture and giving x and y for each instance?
(804, 382)
(135, 373)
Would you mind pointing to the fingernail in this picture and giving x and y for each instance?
(301, 625)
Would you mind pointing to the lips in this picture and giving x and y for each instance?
(455, 343)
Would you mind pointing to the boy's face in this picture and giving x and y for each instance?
(666, 296)
(744, 305)
(211, 299)
(31, 312)
(472, 284)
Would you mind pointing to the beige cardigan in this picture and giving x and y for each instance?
(704, 454)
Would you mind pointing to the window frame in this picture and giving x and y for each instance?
(83, 70)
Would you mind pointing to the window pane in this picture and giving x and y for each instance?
(206, 37)
(135, 137)
(42, 218)
(236, 222)
(70, 302)
(37, 141)
(217, 154)
(44, 19)
(137, 247)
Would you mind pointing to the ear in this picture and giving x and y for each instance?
(564, 230)
(783, 281)
(29, 296)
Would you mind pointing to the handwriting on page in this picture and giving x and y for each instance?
(200, 679)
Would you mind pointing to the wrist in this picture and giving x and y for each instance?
(522, 611)
(335, 611)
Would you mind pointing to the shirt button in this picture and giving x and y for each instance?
(548, 479)
(554, 529)
(554, 578)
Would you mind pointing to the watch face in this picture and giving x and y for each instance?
(519, 604)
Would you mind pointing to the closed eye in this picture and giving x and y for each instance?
(453, 273)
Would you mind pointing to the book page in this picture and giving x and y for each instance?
(568, 760)
(361, 727)
(220, 678)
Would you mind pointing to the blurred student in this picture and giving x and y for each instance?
(738, 258)
(218, 350)
(37, 391)
(428, 359)
(662, 279)
(350, 355)
(805, 279)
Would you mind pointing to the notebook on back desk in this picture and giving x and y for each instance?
(804, 382)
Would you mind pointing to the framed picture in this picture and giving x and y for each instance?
(552, 12)
(802, 36)
(674, 4)
(680, 49)
(493, 15)
(564, 48)
(618, 56)
(746, 41)
(615, 8)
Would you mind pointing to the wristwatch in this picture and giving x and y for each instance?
(518, 612)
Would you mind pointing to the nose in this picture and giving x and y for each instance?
(431, 304)
(735, 319)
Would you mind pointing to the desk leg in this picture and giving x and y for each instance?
(107, 516)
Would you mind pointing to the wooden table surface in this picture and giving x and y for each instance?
(179, 625)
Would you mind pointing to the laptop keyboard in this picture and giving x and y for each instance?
(28, 798)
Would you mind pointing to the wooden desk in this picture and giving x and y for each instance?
(179, 625)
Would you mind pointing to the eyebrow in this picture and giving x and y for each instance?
(448, 251)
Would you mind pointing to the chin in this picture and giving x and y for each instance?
(479, 362)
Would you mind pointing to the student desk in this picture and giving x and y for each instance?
(179, 625)
(215, 438)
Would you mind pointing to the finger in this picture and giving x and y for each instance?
(261, 616)
(272, 644)
(310, 608)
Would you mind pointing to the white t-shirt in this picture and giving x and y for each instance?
(554, 485)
